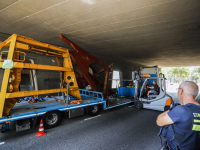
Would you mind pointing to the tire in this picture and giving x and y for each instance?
(94, 110)
(51, 119)
(166, 108)
(138, 104)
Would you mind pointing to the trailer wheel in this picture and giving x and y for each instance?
(51, 119)
(138, 104)
(94, 110)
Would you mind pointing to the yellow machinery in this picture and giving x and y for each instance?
(10, 93)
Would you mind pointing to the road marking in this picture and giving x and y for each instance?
(2, 143)
(92, 117)
(131, 106)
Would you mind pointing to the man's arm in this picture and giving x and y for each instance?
(163, 119)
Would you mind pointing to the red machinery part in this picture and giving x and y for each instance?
(82, 83)
(83, 61)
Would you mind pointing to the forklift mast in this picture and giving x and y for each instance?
(137, 79)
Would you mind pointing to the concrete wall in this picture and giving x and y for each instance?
(45, 79)
(51, 79)
(125, 67)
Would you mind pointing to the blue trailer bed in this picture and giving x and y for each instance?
(26, 110)
(32, 111)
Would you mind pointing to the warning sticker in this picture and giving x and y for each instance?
(7, 64)
(146, 75)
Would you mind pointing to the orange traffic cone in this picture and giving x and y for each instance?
(41, 129)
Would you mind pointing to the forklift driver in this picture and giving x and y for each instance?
(154, 88)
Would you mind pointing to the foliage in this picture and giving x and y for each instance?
(195, 75)
(180, 72)
(197, 70)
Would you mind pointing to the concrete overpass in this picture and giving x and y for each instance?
(127, 33)
(124, 32)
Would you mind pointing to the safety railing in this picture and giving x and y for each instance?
(97, 95)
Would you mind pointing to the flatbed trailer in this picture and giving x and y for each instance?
(27, 110)
(34, 111)
(73, 102)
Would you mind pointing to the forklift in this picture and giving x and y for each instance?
(160, 100)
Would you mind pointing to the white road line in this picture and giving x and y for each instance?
(92, 118)
(2, 143)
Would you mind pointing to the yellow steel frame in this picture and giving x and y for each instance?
(12, 77)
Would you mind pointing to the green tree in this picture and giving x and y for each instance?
(195, 75)
(180, 73)
(198, 70)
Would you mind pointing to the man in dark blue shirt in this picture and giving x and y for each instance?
(182, 119)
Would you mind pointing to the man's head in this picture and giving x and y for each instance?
(188, 89)
(154, 82)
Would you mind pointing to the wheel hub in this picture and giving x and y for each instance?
(94, 109)
(51, 118)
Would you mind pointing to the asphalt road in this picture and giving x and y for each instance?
(120, 128)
